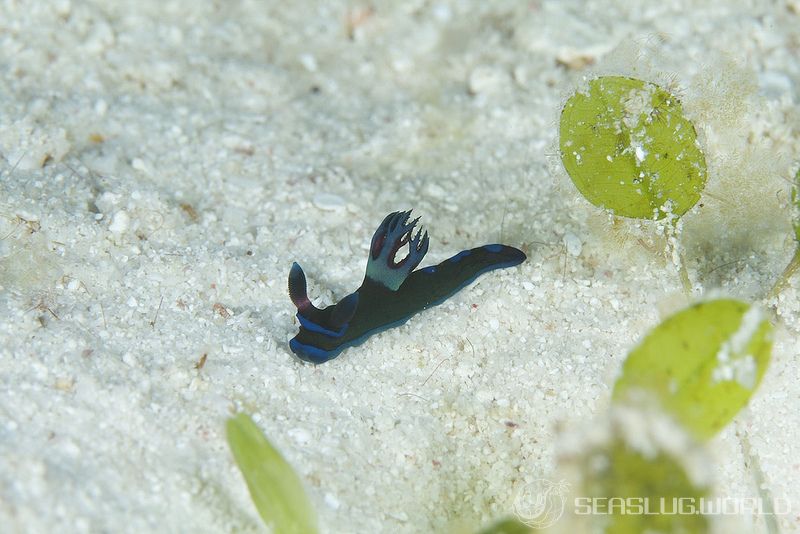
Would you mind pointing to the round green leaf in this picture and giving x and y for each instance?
(628, 148)
(703, 363)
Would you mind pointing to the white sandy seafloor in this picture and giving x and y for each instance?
(162, 163)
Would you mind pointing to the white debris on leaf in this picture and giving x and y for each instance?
(742, 370)
(639, 151)
(751, 321)
(638, 104)
(734, 364)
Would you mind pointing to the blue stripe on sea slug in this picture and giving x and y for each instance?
(314, 327)
(458, 257)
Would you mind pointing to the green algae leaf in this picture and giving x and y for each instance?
(658, 485)
(702, 364)
(630, 489)
(274, 487)
(628, 148)
(508, 526)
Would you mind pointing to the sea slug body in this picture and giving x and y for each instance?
(392, 290)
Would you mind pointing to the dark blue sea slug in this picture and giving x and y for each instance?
(391, 292)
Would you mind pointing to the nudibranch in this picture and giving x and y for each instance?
(392, 290)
